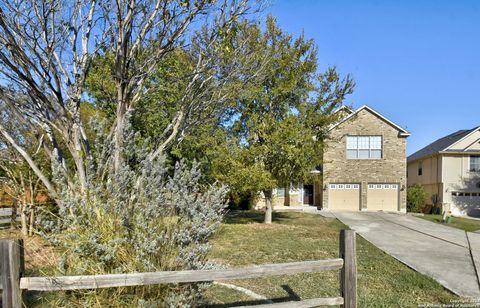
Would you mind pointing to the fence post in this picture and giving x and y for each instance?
(348, 274)
(11, 269)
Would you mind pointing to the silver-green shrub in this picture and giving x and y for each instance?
(141, 218)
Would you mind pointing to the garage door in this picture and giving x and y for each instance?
(466, 203)
(382, 197)
(344, 196)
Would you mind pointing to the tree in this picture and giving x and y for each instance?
(47, 49)
(281, 120)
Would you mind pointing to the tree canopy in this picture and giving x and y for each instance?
(279, 122)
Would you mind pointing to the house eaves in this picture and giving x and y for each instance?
(471, 132)
(441, 145)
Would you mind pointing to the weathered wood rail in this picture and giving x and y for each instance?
(12, 281)
(7, 217)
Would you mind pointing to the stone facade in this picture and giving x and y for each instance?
(391, 168)
(281, 197)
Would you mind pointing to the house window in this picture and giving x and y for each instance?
(364, 147)
(420, 168)
(475, 163)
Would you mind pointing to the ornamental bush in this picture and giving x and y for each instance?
(416, 196)
(141, 218)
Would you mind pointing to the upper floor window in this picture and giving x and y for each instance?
(420, 168)
(364, 147)
(475, 163)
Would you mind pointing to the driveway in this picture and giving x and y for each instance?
(440, 252)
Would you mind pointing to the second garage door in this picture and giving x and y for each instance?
(382, 197)
(344, 196)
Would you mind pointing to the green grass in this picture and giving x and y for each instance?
(382, 280)
(466, 224)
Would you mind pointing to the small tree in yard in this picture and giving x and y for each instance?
(279, 122)
(416, 196)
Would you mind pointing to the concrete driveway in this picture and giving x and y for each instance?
(443, 253)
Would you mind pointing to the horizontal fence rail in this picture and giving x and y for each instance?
(12, 282)
(314, 302)
(142, 279)
(6, 217)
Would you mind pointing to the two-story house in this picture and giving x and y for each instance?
(449, 171)
(364, 164)
(364, 167)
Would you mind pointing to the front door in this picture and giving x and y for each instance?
(308, 194)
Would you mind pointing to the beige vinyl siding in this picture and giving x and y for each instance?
(467, 142)
(431, 178)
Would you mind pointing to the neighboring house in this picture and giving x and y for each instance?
(364, 167)
(449, 170)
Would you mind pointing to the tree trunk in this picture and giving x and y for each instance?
(51, 190)
(23, 217)
(13, 217)
(268, 206)
(32, 217)
(23, 205)
(33, 194)
(119, 126)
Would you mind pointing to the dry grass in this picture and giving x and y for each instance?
(382, 280)
(244, 240)
(40, 258)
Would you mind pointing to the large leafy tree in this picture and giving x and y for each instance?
(279, 122)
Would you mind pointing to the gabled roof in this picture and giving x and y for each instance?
(344, 108)
(442, 144)
(402, 131)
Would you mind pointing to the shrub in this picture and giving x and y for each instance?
(137, 219)
(241, 201)
(416, 196)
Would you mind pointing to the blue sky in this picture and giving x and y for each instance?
(416, 62)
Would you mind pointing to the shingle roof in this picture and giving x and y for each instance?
(440, 144)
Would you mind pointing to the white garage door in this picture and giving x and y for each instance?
(344, 196)
(466, 203)
(382, 197)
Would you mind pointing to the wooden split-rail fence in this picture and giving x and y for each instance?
(13, 283)
(8, 217)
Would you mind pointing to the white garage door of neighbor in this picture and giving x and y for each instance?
(466, 203)
(344, 196)
(382, 197)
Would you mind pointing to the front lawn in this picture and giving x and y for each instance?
(382, 280)
(466, 224)
(243, 240)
